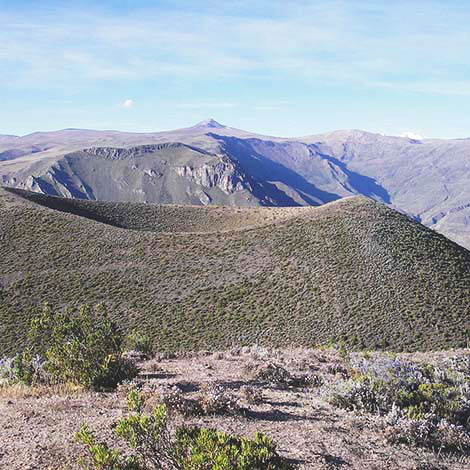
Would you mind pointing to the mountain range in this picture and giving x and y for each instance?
(212, 164)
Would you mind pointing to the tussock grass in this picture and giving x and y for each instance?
(18, 391)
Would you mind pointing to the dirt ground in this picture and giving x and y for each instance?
(37, 425)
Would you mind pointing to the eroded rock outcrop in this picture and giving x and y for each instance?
(224, 175)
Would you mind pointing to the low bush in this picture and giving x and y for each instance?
(24, 368)
(153, 442)
(274, 375)
(425, 405)
(252, 395)
(277, 376)
(137, 341)
(427, 431)
(213, 400)
(82, 347)
(175, 401)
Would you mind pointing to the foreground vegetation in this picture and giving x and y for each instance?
(84, 348)
(154, 445)
(422, 404)
(324, 409)
(353, 271)
(80, 347)
(417, 404)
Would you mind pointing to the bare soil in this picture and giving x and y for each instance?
(37, 425)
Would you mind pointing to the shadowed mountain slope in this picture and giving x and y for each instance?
(164, 217)
(166, 173)
(352, 270)
(210, 163)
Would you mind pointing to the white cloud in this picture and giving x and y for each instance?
(127, 103)
(411, 135)
(330, 41)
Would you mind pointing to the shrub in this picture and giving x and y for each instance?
(417, 389)
(175, 401)
(153, 443)
(137, 341)
(354, 396)
(427, 431)
(425, 405)
(6, 369)
(24, 368)
(313, 380)
(274, 375)
(82, 347)
(28, 368)
(207, 449)
(213, 400)
(279, 377)
(252, 395)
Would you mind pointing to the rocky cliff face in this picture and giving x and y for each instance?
(165, 173)
(112, 153)
(213, 164)
(223, 175)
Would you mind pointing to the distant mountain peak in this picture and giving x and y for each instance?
(211, 123)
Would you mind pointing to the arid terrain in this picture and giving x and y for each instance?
(37, 424)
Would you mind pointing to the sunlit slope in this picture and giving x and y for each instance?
(196, 278)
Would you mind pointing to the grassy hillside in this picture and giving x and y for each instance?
(207, 277)
(166, 217)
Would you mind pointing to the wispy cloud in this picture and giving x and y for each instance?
(127, 103)
(361, 43)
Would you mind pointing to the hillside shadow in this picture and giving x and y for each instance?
(275, 415)
(292, 404)
(155, 375)
(61, 204)
(264, 169)
(271, 415)
(62, 177)
(361, 184)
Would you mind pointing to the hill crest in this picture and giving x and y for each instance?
(353, 271)
(226, 166)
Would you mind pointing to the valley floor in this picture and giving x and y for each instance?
(37, 425)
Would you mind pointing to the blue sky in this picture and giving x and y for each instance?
(283, 68)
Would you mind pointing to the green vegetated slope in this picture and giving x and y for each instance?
(353, 270)
(165, 217)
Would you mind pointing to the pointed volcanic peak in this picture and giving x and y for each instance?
(209, 124)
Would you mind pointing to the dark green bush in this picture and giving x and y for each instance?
(82, 347)
(206, 449)
(154, 444)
